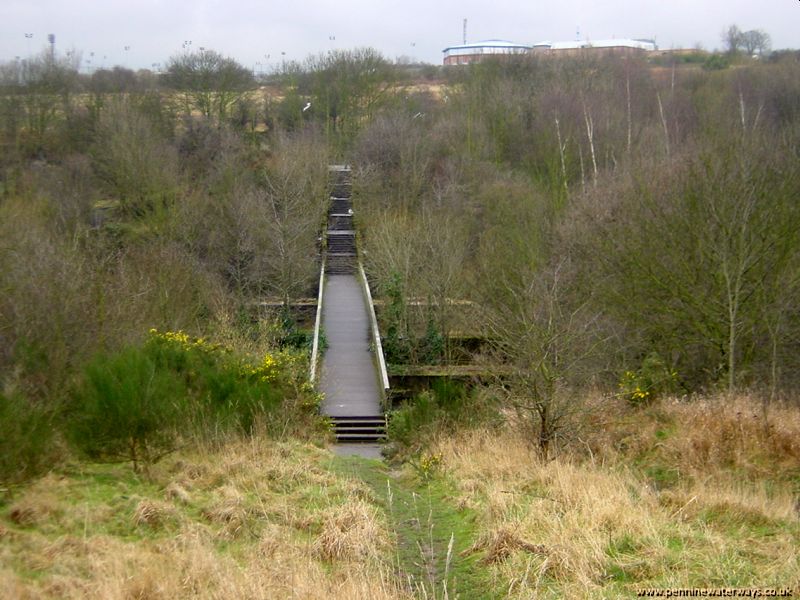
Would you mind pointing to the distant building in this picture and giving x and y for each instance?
(581, 48)
(470, 53)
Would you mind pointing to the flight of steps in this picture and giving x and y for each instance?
(341, 237)
(341, 259)
(366, 430)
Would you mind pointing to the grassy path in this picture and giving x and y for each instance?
(431, 532)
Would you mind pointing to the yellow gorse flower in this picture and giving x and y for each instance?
(266, 370)
(182, 339)
(428, 463)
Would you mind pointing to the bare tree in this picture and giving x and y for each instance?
(755, 41)
(732, 39)
(133, 161)
(442, 246)
(544, 337)
(210, 82)
(293, 200)
(347, 87)
(691, 261)
(39, 92)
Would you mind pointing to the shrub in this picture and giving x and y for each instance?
(26, 439)
(447, 405)
(716, 62)
(136, 404)
(233, 390)
(653, 379)
(127, 407)
(226, 391)
(406, 423)
(132, 404)
(290, 336)
(432, 345)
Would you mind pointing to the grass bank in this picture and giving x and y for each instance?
(674, 495)
(255, 519)
(680, 494)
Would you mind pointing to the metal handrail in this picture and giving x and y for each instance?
(375, 332)
(312, 375)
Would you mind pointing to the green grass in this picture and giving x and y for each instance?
(284, 491)
(293, 487)
(424, 517)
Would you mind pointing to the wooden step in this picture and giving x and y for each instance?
(343, 263)
(341, 190)
(340, 222)
(361, 429)
(340, 206)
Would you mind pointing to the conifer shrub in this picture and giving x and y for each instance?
(127, 407)
(225, 391)
(26, 439)
(406, 423)
(141, 402)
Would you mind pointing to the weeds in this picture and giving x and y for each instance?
(448, 404)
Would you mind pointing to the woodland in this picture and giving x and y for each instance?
(603, 252)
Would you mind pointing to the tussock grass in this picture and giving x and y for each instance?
(640, 501)
(698, 436)
(39, 506)
(595, 523)
(499, 545)
(153, 513)
(352, 532)
(252, 518)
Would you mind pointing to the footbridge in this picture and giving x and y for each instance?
(351, 369)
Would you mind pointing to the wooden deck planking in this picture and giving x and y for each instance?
(349, 378)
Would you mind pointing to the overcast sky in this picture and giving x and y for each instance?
(262, 31)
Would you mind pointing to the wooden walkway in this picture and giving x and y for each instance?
(349, 377)
(353, 359)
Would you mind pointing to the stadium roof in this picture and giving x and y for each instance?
(613, 43)
(495, 44)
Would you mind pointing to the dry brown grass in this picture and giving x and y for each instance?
(40, 505)
(254, 519)
(705, 435)
(352, 532)
(498, 546)
(261, 519)
(153, 513)
(175, 491)
(190, 566)
(734, 432)
(590, 525)
(567, 508)
(228, 510)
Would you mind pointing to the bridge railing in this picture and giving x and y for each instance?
(376, 335)
(312, 372)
